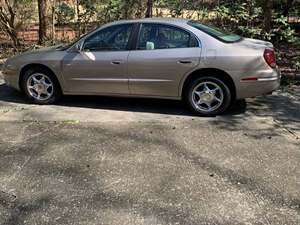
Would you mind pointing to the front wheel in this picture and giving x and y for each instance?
(41, 86)
(208, 96)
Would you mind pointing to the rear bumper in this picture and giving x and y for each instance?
(264, 84)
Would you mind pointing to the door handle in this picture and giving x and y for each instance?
(116, 62)
(185, 61)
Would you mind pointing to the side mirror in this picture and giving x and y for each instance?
(150, 45)
(78, 46)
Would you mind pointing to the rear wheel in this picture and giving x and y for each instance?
(208, 96)
(41, 86)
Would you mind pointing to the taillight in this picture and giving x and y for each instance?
(269, 56)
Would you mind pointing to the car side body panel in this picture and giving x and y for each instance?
(96, 72)
(46, 57)
(158, 72)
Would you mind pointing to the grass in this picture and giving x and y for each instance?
(71, 121)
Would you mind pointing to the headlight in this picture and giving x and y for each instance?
(8, 66)
(4, 63)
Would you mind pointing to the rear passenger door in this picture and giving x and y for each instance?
(163, 55)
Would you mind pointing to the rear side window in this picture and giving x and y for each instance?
(217, 33)
(157, 36)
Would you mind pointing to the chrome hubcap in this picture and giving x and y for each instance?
(207, 96)
(40, 86)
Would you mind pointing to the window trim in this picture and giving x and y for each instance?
(129, 43)
(140, 25)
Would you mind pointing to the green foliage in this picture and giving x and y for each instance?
(253, 32)
(88, 10)
(119, 9)
(246, 18)
(283, 30)
(203, 13)
(296, 63)
(175, 6)
(64, 13)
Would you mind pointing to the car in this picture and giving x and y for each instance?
(150, 58)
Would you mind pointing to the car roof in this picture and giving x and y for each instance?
(169, 20)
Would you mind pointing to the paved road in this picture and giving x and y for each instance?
(96, 160)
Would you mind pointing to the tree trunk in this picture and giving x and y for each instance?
(288, 6)
(126, 7)
(268, 4)
(11, 32)
(14, 37)
(42, 7)
(53, 22)
(78, 19)
(149, 8)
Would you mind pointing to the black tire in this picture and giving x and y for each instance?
(224, 104)
(56, 93)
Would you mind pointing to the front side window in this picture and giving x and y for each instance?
(114, 38)
(157, 36)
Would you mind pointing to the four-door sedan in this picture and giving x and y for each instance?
(156, 58)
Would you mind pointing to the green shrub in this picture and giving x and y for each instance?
(64, 13)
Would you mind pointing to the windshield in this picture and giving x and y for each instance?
(66, 46)
(216, 32)
(63, 47)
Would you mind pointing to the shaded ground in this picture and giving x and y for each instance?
(96, 160)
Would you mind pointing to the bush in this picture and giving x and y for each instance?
(246, 19)
(64, 13)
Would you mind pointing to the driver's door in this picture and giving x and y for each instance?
(101, 66)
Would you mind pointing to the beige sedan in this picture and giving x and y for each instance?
(157, 58)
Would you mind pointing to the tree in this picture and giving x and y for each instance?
(64, 13)
(267, 7)
(85, 9)
(42, 8)
(139, 10)
(287, 8)
(176, 7)
(8, 20)
(120, 9)
(149, 8)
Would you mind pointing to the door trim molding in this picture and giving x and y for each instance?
(101, 79)
(149, 80)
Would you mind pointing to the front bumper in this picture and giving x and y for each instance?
(11, 76)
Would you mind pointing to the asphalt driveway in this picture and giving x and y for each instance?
(99, 160)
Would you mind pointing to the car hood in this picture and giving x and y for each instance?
(35, 55)
(50, 49)
(43, 50)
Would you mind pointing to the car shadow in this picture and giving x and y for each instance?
(160, 106)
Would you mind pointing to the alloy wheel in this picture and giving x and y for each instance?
(40, 86)
(207, 96)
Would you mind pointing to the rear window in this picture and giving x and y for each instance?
(216, 32)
